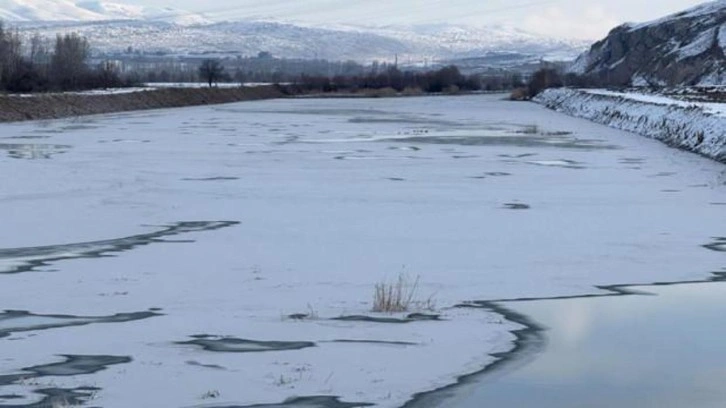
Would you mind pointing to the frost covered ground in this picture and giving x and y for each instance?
(154, 258)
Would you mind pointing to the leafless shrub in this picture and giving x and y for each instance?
(395, 297)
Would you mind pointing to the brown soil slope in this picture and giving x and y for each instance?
(52, 106)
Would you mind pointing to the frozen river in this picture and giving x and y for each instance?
(226, 256)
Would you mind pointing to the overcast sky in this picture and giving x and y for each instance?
(586, 19)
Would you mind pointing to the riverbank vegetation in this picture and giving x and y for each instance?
(42, 64)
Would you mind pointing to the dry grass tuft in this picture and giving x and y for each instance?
(395, 297)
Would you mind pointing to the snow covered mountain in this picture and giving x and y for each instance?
(90, 10)
(409, 44)
(25, 10)
(687, 48)
(113, 26)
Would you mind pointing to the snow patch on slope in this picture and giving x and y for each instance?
(698, 46)
(708, 10)
(118, 11)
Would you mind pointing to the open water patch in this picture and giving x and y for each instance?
(234, 345)
(517, 206)
(17, 260)
(55, 398)
(305, 402)
(72, 365)
(411, 318)
(660, 350)
(517, 378)
(217, 178)
(719, 244)
(13, 321)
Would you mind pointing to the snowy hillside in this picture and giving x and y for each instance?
(686, 48)
(117, 11)
(248, 38)
(90, 10)
(464, 42)
(114, 26)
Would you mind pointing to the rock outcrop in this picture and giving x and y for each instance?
(683, 49)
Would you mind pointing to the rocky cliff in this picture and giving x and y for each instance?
(682, 49)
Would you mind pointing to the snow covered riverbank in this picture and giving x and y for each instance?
(693, 126)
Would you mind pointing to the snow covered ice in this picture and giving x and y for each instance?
(171, 247)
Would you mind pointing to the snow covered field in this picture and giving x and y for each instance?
(156, 257)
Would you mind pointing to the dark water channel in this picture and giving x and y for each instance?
(665, 348)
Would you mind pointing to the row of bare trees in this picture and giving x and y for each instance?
(447, 79)
(46, 65)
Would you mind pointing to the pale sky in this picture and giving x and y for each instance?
(585, 19)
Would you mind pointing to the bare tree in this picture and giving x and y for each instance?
(68, 63)
(10, 54)
(543, 79)
(108, 74)
(211, 70)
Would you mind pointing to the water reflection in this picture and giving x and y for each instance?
(622, 351)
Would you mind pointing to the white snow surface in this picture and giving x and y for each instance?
(317, 231)
(695, 126)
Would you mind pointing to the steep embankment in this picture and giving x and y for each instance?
(690, 126)
(52, 106)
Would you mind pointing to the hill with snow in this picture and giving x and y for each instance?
(90, 10)
(248, 38)
(687, 48)
(112, 27)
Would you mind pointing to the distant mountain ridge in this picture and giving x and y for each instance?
(687, 48)
(112, 27)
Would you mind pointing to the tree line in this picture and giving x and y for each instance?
(447, 79)
(51, 65)
(553, 78)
